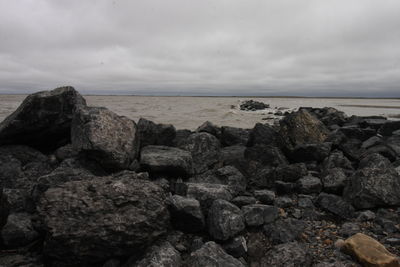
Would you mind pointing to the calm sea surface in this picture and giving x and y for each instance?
(190, 112)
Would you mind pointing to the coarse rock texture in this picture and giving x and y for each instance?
(290, 254)
(204, 148)
(369, 251)
(374, 187)
(301, 128)
(168, 160)
(159, 255)
(105, 137)
(186, 214)
(212, 255)
(206, 193)
(225, 220)
(234, 136)
(151, 133)
(90, 221)
(251, 105)
(18, 230)
(43, 120)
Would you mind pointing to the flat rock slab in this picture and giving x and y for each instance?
(369, 251)
(167, 160)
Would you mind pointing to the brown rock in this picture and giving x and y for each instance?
(369, 252)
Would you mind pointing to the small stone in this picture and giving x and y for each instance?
(265, 196)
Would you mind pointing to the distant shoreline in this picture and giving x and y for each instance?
(233, 96)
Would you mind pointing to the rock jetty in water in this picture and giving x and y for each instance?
(83, 186)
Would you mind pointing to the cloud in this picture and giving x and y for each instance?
(202, 47)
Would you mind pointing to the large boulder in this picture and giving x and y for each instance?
(209, 127)
(43, 120)
(18, 230)
(225, 220)
(89, 221)
(373, 187)
(151, 133)
(105, 137)
(335, 205)
(4, 207)
(334, 181)
(259, 214)
(205, 149)
(207, 193)
(166, 160)
(265, 154)
(311, 152)
(212, 255)
(234, 136)
(328, 115)
(186, 214)
(262, 134)
(301, 128)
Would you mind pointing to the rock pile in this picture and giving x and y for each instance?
(251, 105)
(83, 186)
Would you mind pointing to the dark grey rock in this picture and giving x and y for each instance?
(291, 254)
(265, 154)
(151, 133)
(243, 201)
(335, 205)
(105, 137)
(264, 196)
(284, 230)
(159, 255)
(373, 187)
(389, 127)
(366, 215)
(18, 230)
(166, 160)
(46, 116)
(204, 148)
(19, 260)
(285, 188)
(348, 229)
(234, 136)
(93, 220)
(236, 246)
(186, 214)
(251, 105)
(232, 155)
(337, 160)
(65, 152)
(283, 202)
(309, 185)
(209, 127)
(290, 173)
(259, 214)
(212, 255)
(224, 220)
(374, 160)
(334, 181)
(311, 152)
(300, 128)
(262, 134)
(207, 193)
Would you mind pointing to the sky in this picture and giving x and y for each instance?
(207, 47)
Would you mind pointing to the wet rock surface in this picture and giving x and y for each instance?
(116, 193)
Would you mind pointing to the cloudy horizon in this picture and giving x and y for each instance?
(209, 47)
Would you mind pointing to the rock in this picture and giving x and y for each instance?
(225, 220)
(311, 152)
(112, 263)
(355, 132)
(335, 205)
(65, 152)
(208, 127)
(290, 254)
(374, 160)
(265, 196)
(285, 188)
(337, 160)
(234, 136)
(4, 207)
(232, 155)
(328, 115)
(251, 105)
(284, 230)
(181, 136)
(207, 193)
(105, 137)
(366, 215)
(309, 185)
(290, 173)
(373, 187)
(212, 255)
(257, 246)
(18, 230)
(159, 255)
(301, 128)
(19, 260)
(334, 181)
(389, 127)
(20, 166)
(236, 247)
(205, 149)
(46, 116)
(166, 160)
(373, 141)
(368, 251)
(348, 229)
(151, 133)
(258, 214)
(265, 154)
(101, 218)
(227, 175)
(241, 201)
(384, 150)
(186, 214)
(262, 134)
(283, 202)
(258, 175)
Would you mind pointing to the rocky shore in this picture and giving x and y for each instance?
(83, 186)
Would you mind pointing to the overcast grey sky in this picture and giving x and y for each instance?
(233, 47)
